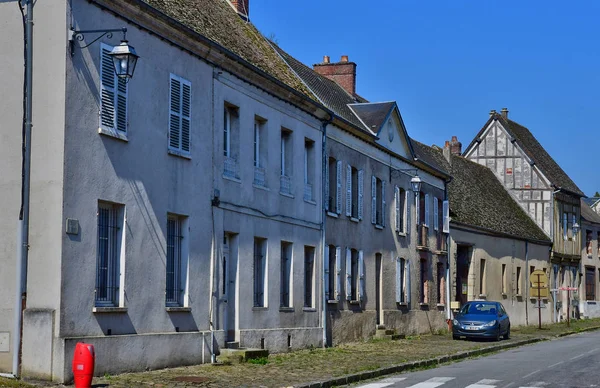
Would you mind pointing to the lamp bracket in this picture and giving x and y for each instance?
(79, 35)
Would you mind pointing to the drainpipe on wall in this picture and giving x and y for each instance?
(527, 282)
(448, 256)
(23, 231)
(324, 215)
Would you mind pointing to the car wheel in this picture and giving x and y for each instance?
(507, 335)
(498, 335)
(455, 337)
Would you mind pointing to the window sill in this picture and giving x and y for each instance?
(377, 226)
(330, 214)
(482, 296)
(180, 154)
(114, 134)
(402, 304)
(440, 252)
(309, 309)
(259, 308)
(353, 219)
(440, 305)
(265, 188)
(109, 310)
(332, 301)
(176, 309)
(286, 309)
(423, 248)
(519, 296)
(310, 201)
(504, 295)
(424, 304)
(402, 234)
(236, 180)
(353, 301)
(286, 195)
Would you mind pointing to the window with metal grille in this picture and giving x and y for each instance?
(108, 255)
(113, 95)
(590, 283)
(259, 271)
(180, 97)
(286, 271)
(309, 276)
(176, 261)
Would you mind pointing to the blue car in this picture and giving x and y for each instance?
(481, 319)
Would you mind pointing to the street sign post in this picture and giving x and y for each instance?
(539, 289)
(568, 289)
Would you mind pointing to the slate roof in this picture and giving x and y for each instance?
(591, 201)
(430, 156)
(217, 21)
(534, 150)
(588, 213)
(328, 92)
(373, 114)
(477, 198)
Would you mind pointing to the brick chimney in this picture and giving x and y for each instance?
(446, 152)
(342, 72)
(455, 146)
(242, 7)
(504, 113)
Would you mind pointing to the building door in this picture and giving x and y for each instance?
(229, 262)
(463, 261)
(378, 293)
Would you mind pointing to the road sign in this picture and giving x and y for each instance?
(538, 292)
(538, 279)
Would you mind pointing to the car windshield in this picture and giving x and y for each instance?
(479, 308)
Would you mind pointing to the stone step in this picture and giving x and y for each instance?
(236, 356)
(232, 345)
(384, 332)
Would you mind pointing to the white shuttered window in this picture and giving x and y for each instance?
(446, 210)
(435, 213)
(113, 95)
(349, 190)
(179, 114)
(361, 179)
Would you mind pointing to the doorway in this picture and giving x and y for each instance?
(463, 262)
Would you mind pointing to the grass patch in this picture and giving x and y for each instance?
(258, 361)
(13, 383)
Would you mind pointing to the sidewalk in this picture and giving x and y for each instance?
(333, 366)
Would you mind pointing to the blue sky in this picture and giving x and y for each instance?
(447, 63)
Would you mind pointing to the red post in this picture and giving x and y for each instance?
(539, 302)
(83, 365)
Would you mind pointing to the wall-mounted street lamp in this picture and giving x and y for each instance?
(415, 182)
(123, 56)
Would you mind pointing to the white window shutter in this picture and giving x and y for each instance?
(326, 199)
(435, 214)
(348, 274)
(186, 116)
(398, 281)
(361, 275)
(383, 209)
(407, 202)
(373, 199)
(107, 89)
(397, 207)
(349, 190)
(407, 282)
(338, 269)
(326, 266)
(338, 196)
(446, 210)
(426, 221)
(175, 107)
(361, 178)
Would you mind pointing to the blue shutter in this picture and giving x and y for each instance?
(361, 179)
(348, 274)
(361, 275)
(326, 275)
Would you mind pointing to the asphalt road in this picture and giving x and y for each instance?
(572, 361)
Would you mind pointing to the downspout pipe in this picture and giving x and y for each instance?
(527, 282)
(323, 221)
(23, 230)
(448, 250)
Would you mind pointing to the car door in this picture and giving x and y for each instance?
(502, 317)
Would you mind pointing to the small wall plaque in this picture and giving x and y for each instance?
(72, 226)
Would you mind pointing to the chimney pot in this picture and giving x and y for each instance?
(504, 113)
(455, 146)
(447, 144)
(326, 59)
(492, 112)
(343, 73)
(242, 7)
(454, 139)
(344, 58)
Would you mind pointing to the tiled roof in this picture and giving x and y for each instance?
(588, 213)
(591, 201)
(327, 91)
(478, 199)
(373, 114)
(217, 21)
(430, 157)
(536, 153)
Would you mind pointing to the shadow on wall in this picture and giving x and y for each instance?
(115, 324)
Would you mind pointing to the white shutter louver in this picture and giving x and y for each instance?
(326, 276)
(407, 211)
(361, 178)
(348, 274)
(446, 211)
(435, 214)
(326, 199)
(383, 210)
(179, 114)
(338, 193)
(121, 105)
(398, 281)
(407, 282)
(373, 199)
(397, 208)
(349, 190)
(361, 275)
(426, 220)
(338, 269)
